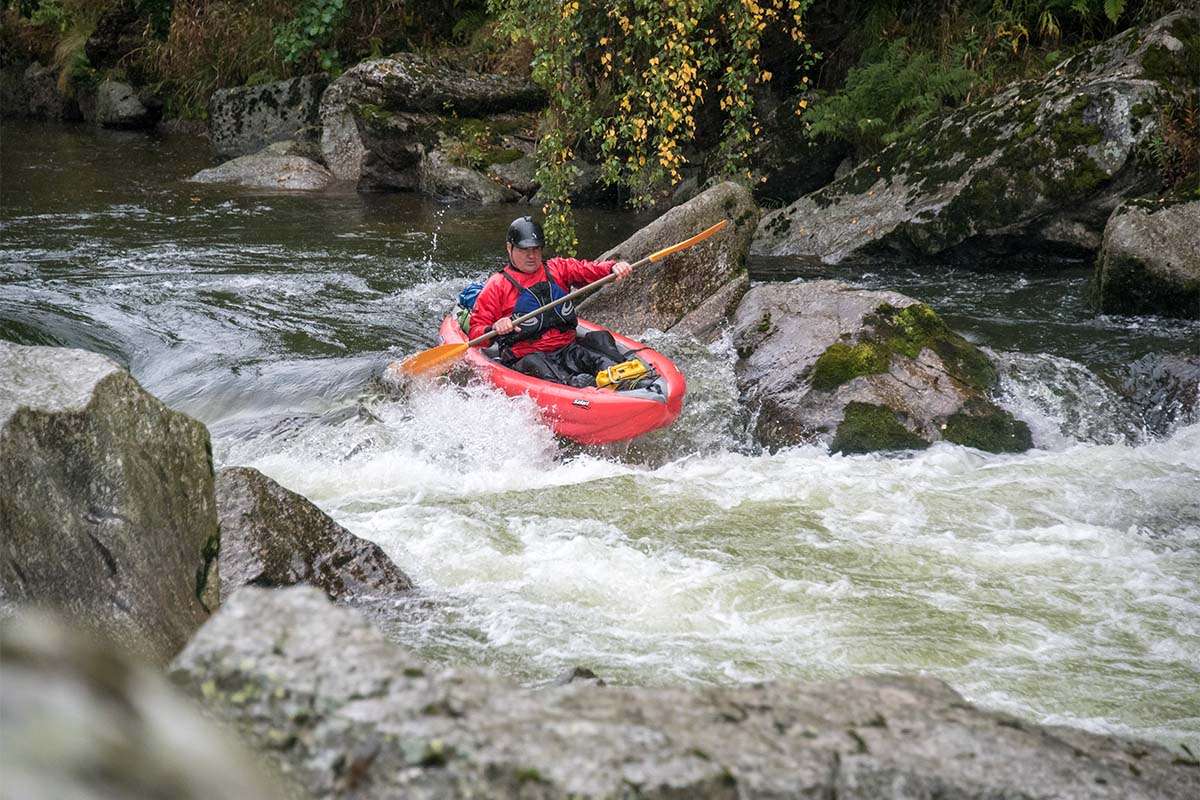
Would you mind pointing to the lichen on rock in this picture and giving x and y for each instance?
(1034, 170)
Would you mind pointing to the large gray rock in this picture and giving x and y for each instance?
(118, 105)
(694, 291)
(441, 178)
(1037, 168)
(83, 722)
(1150, 260)
(248, 118)
(106, 501)
(352, 715)
(864, 371)
(273, 537)
(267, 170)
(381, 116)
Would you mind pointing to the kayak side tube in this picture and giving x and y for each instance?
(588, 415)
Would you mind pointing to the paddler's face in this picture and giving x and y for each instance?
(526, 259)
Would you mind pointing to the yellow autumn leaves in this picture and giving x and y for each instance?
(628, 81)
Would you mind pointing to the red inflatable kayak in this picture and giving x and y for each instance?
(589, 415)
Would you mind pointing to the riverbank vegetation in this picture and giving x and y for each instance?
(657, 93)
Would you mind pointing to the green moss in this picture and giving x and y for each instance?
(914, 328)
(988, 428)
(1177, 70)
(764, 324)
(868, 428)
(529, 775)
(843, 362)
(502, 155)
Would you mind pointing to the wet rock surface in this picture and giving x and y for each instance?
(268, 170)
(1036, 169)
(84, 721)
(274, 537)
(863, 371)
(274, 663)
(1150, 260)
(380, 118)
(1164, 390)
(246, 119)
(106, 501)
(694, 291)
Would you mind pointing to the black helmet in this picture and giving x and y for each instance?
(524, 232)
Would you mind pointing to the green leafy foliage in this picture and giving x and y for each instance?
(887, 97)
(629, 80)
(309, 33)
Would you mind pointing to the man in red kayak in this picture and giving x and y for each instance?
(544, 346)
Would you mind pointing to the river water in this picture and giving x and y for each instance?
(1060, 584)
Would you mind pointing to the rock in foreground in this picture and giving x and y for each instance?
(106, 501)
(81, 721)
(278, 665)
(865, 371)
(273, 537)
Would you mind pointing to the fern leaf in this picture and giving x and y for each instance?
(1113, 9)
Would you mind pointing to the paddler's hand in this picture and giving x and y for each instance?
(503, 326)
(622, 269)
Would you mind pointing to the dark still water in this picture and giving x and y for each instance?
(1060, 584)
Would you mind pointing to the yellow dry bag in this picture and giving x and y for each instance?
(617, 374)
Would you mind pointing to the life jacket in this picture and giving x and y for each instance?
(562, 317)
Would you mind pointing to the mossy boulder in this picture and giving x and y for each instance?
(1150, 260)
(864, 371)
(106, 501)
(246, 119)
(349, 714)
(381, 119)
(1030, 172)
(692, 292)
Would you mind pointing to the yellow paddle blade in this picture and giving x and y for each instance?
(699, 237)
(433, 360)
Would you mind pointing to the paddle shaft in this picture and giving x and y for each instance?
(594, 284)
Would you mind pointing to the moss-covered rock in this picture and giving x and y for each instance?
(864, 371)
(988, 428)
(868, 428)
(843, 362)
(1033, 170)
(1150, 260)
(382, 117)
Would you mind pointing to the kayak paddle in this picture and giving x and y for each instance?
(442, 356)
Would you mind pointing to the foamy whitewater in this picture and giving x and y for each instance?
(1060, 584)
